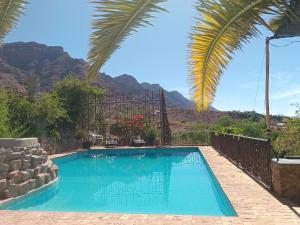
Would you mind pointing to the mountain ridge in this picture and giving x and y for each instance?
(51, 64)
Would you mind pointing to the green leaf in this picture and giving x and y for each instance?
(114, 20)
(10, 11)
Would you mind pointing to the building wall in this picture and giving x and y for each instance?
(286, 179)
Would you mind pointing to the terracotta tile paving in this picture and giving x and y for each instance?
(253, 204)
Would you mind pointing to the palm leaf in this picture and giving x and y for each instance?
(114, 20)
(10, 10)
(223, 27)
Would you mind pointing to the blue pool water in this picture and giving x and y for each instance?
(147, 181)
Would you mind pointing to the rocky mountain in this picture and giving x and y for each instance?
(20, 60)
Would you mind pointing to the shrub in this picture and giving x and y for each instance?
(288, 141)
(4, 126)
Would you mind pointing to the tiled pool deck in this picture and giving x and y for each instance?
(253, 204)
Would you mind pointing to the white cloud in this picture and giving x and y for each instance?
(286, 94)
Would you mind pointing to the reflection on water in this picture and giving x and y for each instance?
(176, 182)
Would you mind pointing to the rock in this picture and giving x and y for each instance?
(28, 157)
(4, 155)
(54, 168)
(45, 153)
(39, 152)
(49, 164)
(3, 170)
(23, 188)
(3, 184)
(15, 155)
(31, 172)
(33, 184)
(11, 191)
(25, 175)
(15, 177)
(44, 158)
(15, 165)
(52, 174)
(35, 161)
(23, 154)
(36, 171)
(41, 179)
(44, 168)
(25, 164)
(33, 151)
(47, 178)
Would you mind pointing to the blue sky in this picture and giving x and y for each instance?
(158, 54)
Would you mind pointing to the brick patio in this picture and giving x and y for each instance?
(253, 204)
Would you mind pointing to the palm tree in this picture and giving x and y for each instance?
(10, 10)
(223, 27)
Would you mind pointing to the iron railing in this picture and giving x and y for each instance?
(191, 138)
(250, 154)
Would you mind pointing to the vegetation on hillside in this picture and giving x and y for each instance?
(47, 114)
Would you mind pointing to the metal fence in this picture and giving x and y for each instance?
(250, 154)
(191, 138)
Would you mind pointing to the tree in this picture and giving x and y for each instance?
(10, 10)
(74, 95)
(4, 126)
(288, 141)
(223, 26)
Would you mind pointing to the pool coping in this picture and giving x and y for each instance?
(265, 208)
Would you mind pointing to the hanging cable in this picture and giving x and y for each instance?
(259, 77)
(285, 45)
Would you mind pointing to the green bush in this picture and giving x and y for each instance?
(48, 114)
(4, 125)
(74, 95)
(288, 141)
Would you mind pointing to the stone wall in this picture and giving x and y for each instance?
(24, 166)
(286, 179)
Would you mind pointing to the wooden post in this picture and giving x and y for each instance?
(267, 100)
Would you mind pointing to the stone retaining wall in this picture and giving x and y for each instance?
(23, 169)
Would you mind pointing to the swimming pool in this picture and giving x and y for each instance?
(139, 181)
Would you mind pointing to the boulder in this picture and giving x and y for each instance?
(33, 184)
(15, 155)
(11, 191)
(23, 188)
(15, 177)
(44, 168)
(25, 175)
(45, 153)
(3, 184)
(49, 164)
(4, 155)
(44, 158)
(3, 170)
(52, 174)
(35, 161)
(53, 171)
(28, 157)
(36, 171)
(25, 164)
(15, 165)
(47, 178)
(41, 179)
(33, 151)
(31, 172)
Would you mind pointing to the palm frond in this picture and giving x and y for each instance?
(276, 21)
(10, 10)
(223, 27)
(114, 20)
